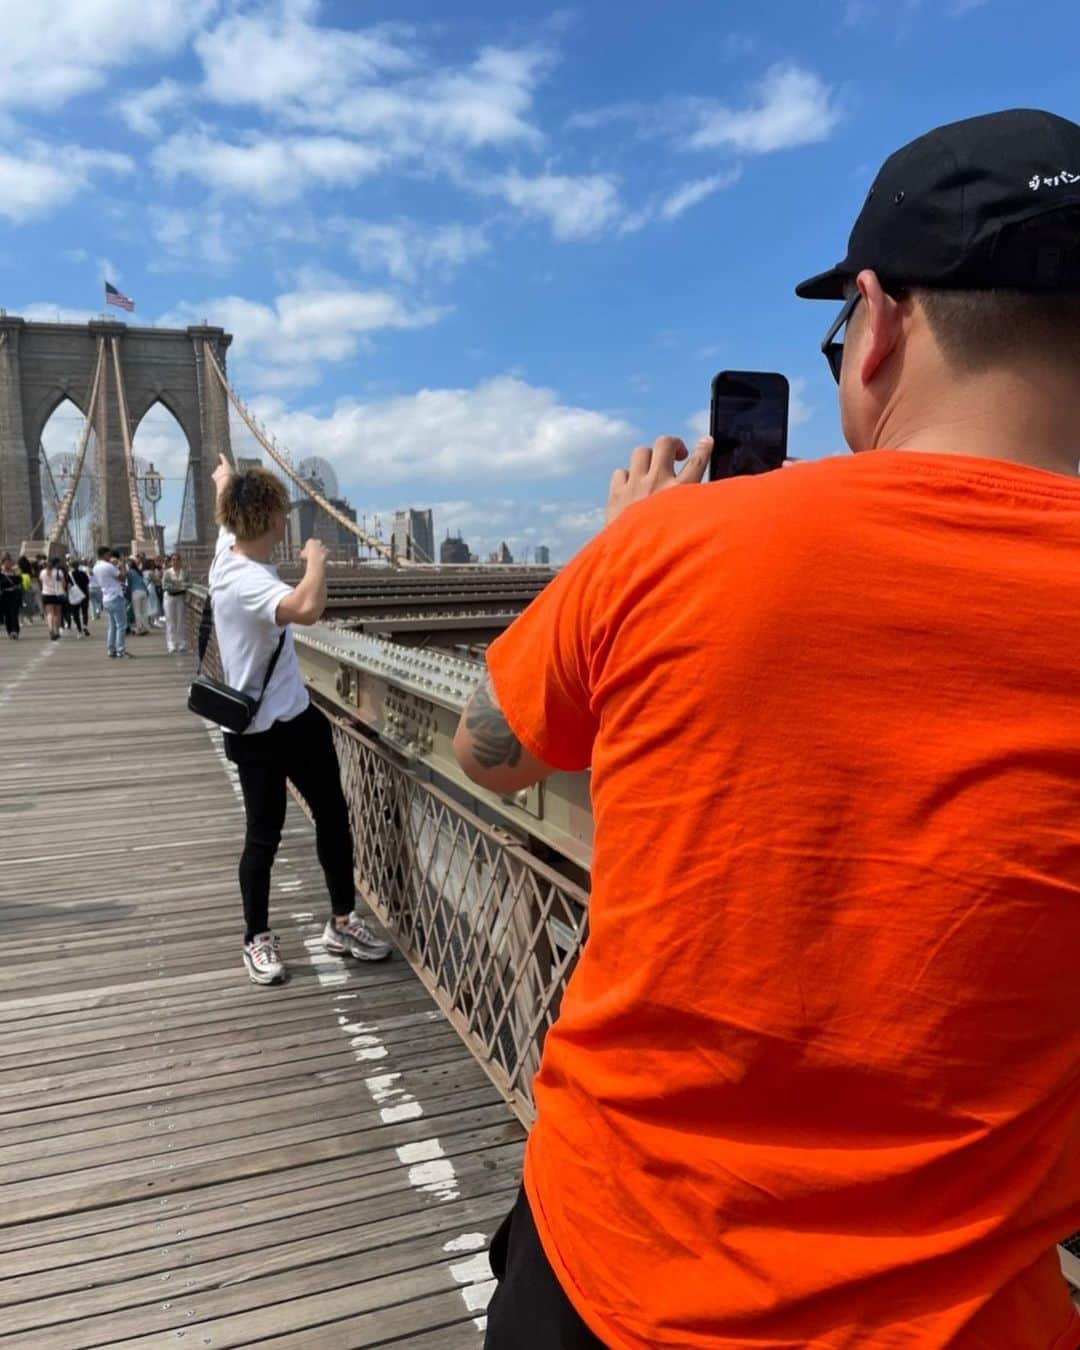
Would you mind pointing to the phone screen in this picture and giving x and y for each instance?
(748, 421)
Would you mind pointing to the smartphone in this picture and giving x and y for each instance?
(748, 419)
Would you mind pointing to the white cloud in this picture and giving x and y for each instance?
(576, 208)
(159, 439)
(142, 110)
(274, 58)
(791, 107)
(203, 237)
(674, 204)
(281, 345)
(41, 311)
(860, 13)
(47, 176)
(267, 168)
(377, 83)
(51, 52)
(406, 248)
(503, 429)
(690, 194)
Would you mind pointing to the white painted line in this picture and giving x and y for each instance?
(25, 673)
(430, 1171)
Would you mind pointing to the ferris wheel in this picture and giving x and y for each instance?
(320, 474)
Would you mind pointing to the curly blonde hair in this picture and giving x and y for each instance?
(251, 502)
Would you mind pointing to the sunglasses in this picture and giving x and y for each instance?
(832, 347)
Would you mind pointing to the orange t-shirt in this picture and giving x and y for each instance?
(815, 1081)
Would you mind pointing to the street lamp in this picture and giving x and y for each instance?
(151, 483)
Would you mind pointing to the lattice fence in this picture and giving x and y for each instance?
(491, 930)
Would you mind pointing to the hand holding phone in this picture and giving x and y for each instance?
(748, 420)
(652, 469)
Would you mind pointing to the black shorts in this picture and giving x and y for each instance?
(54, 599)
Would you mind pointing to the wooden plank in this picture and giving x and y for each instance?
(54, 1265)
(181, 1152)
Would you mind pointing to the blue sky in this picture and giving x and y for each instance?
(473, 253)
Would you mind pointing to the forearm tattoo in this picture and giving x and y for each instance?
(493, 741)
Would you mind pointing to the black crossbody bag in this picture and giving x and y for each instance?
(218, 702)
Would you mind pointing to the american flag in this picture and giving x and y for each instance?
(113, 297)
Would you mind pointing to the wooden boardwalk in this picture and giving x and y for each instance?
(187, 1159)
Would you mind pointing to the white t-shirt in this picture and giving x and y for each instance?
(246, 595)
(52, 581)
(108, 578)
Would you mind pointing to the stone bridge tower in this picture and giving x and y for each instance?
(41, 364)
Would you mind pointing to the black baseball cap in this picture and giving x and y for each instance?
(990, 203)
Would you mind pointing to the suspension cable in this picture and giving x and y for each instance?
(283, 462)
(64, 512)
(138, 520)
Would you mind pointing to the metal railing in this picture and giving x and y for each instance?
(491, 930)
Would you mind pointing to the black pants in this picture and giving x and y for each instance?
(302, 753)
(11, 604)
(528, 1310)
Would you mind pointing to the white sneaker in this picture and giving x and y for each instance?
(356, 938)
(261, 958)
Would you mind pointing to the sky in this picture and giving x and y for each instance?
(472, 253)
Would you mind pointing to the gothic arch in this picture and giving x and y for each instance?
(41, 364)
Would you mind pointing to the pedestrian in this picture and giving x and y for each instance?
(288, 740)
(137, 595)
(96, 602)
(174, 581)
(815, 1079)
(108, 573)
(31, 589)
(152, 577)
(68, 609)
(53, 580)
(80, 609)
(11, 595)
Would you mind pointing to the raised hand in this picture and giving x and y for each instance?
(653, 470)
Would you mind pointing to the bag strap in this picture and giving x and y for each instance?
(206, 627)
(270, 668)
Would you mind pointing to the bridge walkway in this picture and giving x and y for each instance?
(187, 1159)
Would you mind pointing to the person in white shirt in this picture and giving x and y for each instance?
(108, 576)
(174, 584)
(288, 740)
(53, 595)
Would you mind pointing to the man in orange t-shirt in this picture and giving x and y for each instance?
(815, 1081)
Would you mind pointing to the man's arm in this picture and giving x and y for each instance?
(306, 602)
(540, 660)
(488, 750)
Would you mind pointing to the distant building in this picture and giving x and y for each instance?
(414, 536)
(244, 462)
(501, 555)
(543, 555)
(454, 550)
(307, 520)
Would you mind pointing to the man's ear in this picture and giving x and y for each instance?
(881, 318)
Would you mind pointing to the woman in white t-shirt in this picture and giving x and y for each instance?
(53, 595)
(288, 740)
(174, 584)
